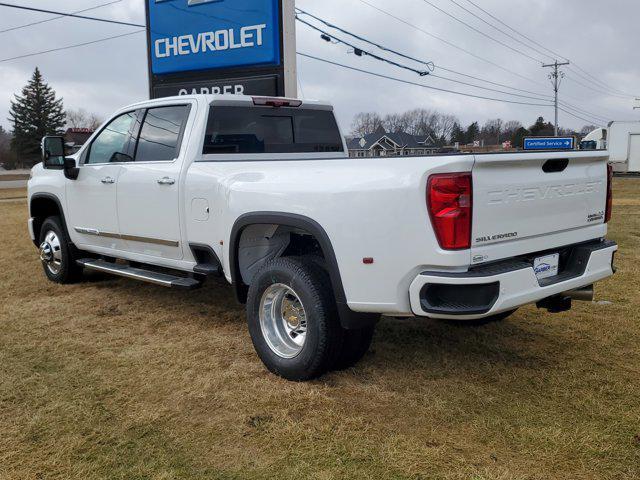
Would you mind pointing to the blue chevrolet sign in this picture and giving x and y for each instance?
(199, 35)
(549, 143)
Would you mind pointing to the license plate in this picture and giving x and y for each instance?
(546, 266)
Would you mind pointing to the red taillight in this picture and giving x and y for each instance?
(607, 214)
(449, 202)
(276, 102)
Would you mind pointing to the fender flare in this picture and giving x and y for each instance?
(348, 318)
(56, 200)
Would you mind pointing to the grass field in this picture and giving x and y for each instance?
(13, 193)
(115, 379)
(7, 177)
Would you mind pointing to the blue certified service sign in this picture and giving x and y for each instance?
(549, 143)
(192, 35)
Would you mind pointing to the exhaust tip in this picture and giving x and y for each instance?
(583, 294)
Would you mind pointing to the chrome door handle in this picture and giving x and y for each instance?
(166, 181)
(108, 180)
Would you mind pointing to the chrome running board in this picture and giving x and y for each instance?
(162, 279)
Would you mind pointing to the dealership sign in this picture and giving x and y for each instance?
(221, 46)
(549, 143)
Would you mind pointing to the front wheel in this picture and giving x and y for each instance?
(56, 255)
(293, 320)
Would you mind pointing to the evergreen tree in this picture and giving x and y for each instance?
(458, 135)
(517, 139)
(35, 114)
(473, 131)
(541, 128)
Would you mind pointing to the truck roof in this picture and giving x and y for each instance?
(230, 100)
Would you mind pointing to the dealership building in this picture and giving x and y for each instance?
(384, 144)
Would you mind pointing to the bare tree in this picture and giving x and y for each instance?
(80, 118)
(444, 126)
(510, 128)
(396, 122)
(491, 132)
(365, 123)
(419, 121)
(587, 129)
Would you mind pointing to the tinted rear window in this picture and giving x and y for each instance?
(271, 130)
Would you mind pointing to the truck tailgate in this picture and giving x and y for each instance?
(528, 195)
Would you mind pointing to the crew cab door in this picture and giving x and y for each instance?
(148, 200)
(91, 198)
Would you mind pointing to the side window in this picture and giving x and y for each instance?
(161, 133)
(112, 144)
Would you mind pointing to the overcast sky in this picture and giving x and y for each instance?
(601, 37)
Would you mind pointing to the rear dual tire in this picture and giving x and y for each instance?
(293, 321)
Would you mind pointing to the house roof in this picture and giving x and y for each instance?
(401, 139)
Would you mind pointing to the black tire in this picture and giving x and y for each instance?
(498, 317)
(324, 336)
(356, 342)
(63, 269)
(355, 345)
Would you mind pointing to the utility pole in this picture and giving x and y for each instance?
(556, 77)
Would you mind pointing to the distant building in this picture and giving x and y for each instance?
(384, 144)
(76, 137)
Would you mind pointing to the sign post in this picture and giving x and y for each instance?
(549, 143)
(221, 46)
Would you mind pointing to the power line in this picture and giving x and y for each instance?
(453, 45)
(582, 111)
(605, 89)
(555, 54)
(73, 15)
(601, 82)
(408, 82)
(57, 17)
(408, 57)
(429, 65)
(491, 82)
(425, 32)
(595, 89)
(599, 124)
(70, 46)
(512, 37)
(594, 119)
(387, 49)
(506, 45)
(358, 51)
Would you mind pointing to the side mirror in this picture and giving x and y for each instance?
(53, 152)
(71, 171)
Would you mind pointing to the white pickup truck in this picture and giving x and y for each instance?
(318, 245)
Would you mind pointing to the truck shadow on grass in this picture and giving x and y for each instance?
(400, 346)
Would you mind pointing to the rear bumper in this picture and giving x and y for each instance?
(503, 286)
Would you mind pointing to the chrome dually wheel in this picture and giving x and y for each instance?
(51, 252)
(283, 320)
(56, 253)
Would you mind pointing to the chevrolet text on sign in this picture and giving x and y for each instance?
(187, 35)
(220, 46)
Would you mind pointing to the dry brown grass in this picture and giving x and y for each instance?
(114, 379)
(13, 193)
(6, 177)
